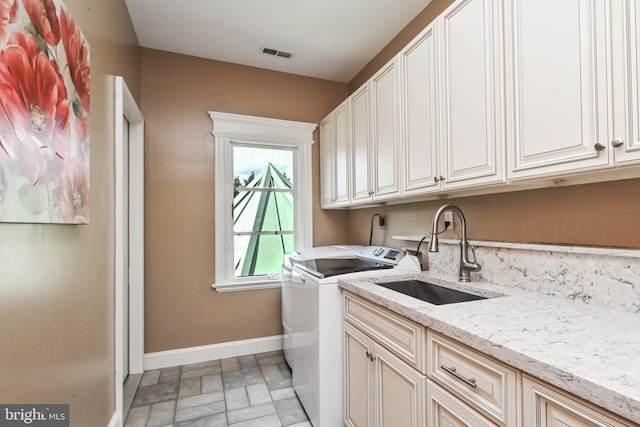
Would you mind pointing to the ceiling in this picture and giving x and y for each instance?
(329, 39)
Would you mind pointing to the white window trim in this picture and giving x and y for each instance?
(235, 128)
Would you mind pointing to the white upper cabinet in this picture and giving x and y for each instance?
(343, 154)
(418, 114)
(626, 69)
(335, 157)
(493, 92)
(557, 86)
(361, 145)
(327, 162)
(470, 86)
(384, 115)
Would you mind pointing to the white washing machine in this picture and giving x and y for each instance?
(335, 252)
(312, 312)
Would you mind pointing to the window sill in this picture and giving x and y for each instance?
(252, 286)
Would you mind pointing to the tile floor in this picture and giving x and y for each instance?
(245, 391)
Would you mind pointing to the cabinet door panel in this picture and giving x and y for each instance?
(342, 154)
(358, 378)
(400, 392)
(557, 88)
(544, 406)
(327, 164)
(385, 138)
(627, 94)
(361, 134)
(471, 106)
(418, 114)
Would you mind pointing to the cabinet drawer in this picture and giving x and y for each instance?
(445, 410)
(486, 385)
(406, 339)
(545, 405)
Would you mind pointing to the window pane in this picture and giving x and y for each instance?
(260, 255)
(263, 211)
(262, 167)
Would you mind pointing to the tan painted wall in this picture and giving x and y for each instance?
(598, 214)
(603, 214)
(181, 309)
(428, 14)
(56, 281)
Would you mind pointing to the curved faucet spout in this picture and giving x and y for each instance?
(466, 265)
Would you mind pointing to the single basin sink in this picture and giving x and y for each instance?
(430, 292)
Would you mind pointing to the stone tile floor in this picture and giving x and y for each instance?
(245, 391)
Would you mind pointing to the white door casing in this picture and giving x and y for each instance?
(126, 108)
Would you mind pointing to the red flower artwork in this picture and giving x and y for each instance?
(43, 15)
(44, 142)
(72, 194)
(33, 104)
(77, 57)
(8, 14)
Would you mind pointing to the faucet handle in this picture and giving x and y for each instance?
(473, 250)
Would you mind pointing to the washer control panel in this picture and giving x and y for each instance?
(381, 254)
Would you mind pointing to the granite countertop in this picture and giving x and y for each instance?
(587, 350)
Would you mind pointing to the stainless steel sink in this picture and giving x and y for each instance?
(429, 292)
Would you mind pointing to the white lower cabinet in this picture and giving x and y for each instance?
(382, 389)
(446, 410)
(490, 387)
(398, 373)
(546, 406)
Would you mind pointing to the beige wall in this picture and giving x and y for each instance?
(428, 14)
(56, 281)
(598, 214)
(603, 214)
(181, 309)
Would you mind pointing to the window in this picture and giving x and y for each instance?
(262, 195)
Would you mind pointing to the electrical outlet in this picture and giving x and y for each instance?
(383, 222)
(448, 217)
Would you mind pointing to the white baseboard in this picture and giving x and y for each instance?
(185, 356)
(115, 420)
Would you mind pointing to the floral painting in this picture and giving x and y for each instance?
(44, 114)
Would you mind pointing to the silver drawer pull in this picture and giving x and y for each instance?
(469, 381)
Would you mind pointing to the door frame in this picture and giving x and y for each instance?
(125, 106)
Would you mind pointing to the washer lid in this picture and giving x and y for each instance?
(328, 267)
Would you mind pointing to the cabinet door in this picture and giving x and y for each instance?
(558, 100)
(418, 133)
(399, 397)
(361, 145)
(469, 38)
(544, 406)
(358, 378)
(626, 68)
(342, 154)
(445, 410)
(327, 164)
(385, 132)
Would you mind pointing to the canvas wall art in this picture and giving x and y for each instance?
(44, 114)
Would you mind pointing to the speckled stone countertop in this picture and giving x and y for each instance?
(585, 349)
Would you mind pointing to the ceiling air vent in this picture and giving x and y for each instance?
(276, 52)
